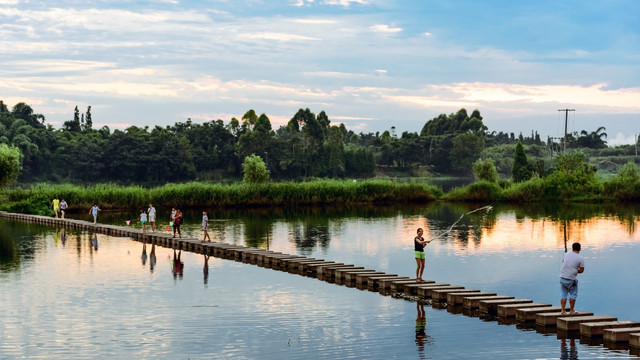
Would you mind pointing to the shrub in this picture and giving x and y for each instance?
(254, 169)
(485, 170)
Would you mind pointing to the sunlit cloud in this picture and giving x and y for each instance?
(430, 102)
(338, 117)
(619, 100)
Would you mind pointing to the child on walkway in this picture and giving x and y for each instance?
(205, 226)
(143, 220)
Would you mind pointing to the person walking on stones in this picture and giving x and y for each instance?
(56, 205)
(572, 265)
(419, 243)
(205, 226)
(152, 217)
(177, 221)
(94, 211)
(63, 207)
(143, 220)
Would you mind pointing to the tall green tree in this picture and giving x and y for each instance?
(88, 120)
(521, 170)
(466, 149)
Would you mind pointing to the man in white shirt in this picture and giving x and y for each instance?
(152, 217)
(572, 265)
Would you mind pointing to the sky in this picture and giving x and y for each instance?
(370, 64)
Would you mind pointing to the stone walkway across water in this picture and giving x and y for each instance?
(506, 310)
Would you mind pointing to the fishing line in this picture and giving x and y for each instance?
(485, 208)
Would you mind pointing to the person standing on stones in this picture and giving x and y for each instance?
(152, 217)
(572, 265)
(177, 221)
(418, 246)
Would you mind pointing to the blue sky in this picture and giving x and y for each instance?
(370, 64)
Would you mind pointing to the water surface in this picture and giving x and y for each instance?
(79, 295)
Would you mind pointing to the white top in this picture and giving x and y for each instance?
(143, 217)
(570, 265)
(152, 213)
(205, 220)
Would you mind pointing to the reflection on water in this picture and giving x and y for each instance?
(421, 336)
(251, 312)
(568, 352)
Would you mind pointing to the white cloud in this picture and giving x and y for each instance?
(346, 3)
(277, 36)
(385, 29)
(315, 21)
(621, 139)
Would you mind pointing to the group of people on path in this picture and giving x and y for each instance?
(59, 206)
(146, 217)
(572, 265)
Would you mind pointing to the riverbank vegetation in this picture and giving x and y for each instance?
(305, 162)
(308, 146)
(37, 199)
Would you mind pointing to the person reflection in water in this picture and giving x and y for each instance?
(152, 257)
(205, 269)
(143, 257)
(63, 236)
(178, 265)
(568, 354)
(421, 324)
(95, 242)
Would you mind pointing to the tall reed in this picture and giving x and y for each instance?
(197, 194)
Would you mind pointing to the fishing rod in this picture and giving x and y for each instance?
(484, 208)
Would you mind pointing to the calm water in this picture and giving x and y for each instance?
(63, 298)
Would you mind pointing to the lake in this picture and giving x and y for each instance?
(76, 295)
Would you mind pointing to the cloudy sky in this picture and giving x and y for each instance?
(370, 64)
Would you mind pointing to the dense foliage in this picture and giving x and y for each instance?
(254, 169)
(309, 146)
(9, 164)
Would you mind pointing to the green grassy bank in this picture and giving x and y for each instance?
(37, 199)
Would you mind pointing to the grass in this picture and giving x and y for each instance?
(37, 199)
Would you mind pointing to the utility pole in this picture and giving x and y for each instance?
(566, 117)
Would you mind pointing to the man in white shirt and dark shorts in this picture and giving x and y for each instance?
(572, 265)
(152, 217)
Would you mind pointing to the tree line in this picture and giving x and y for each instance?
(308, 146)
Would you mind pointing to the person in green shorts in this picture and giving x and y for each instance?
(419, 243)
(143, 220)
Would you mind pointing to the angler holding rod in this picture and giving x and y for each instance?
(419, 242)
